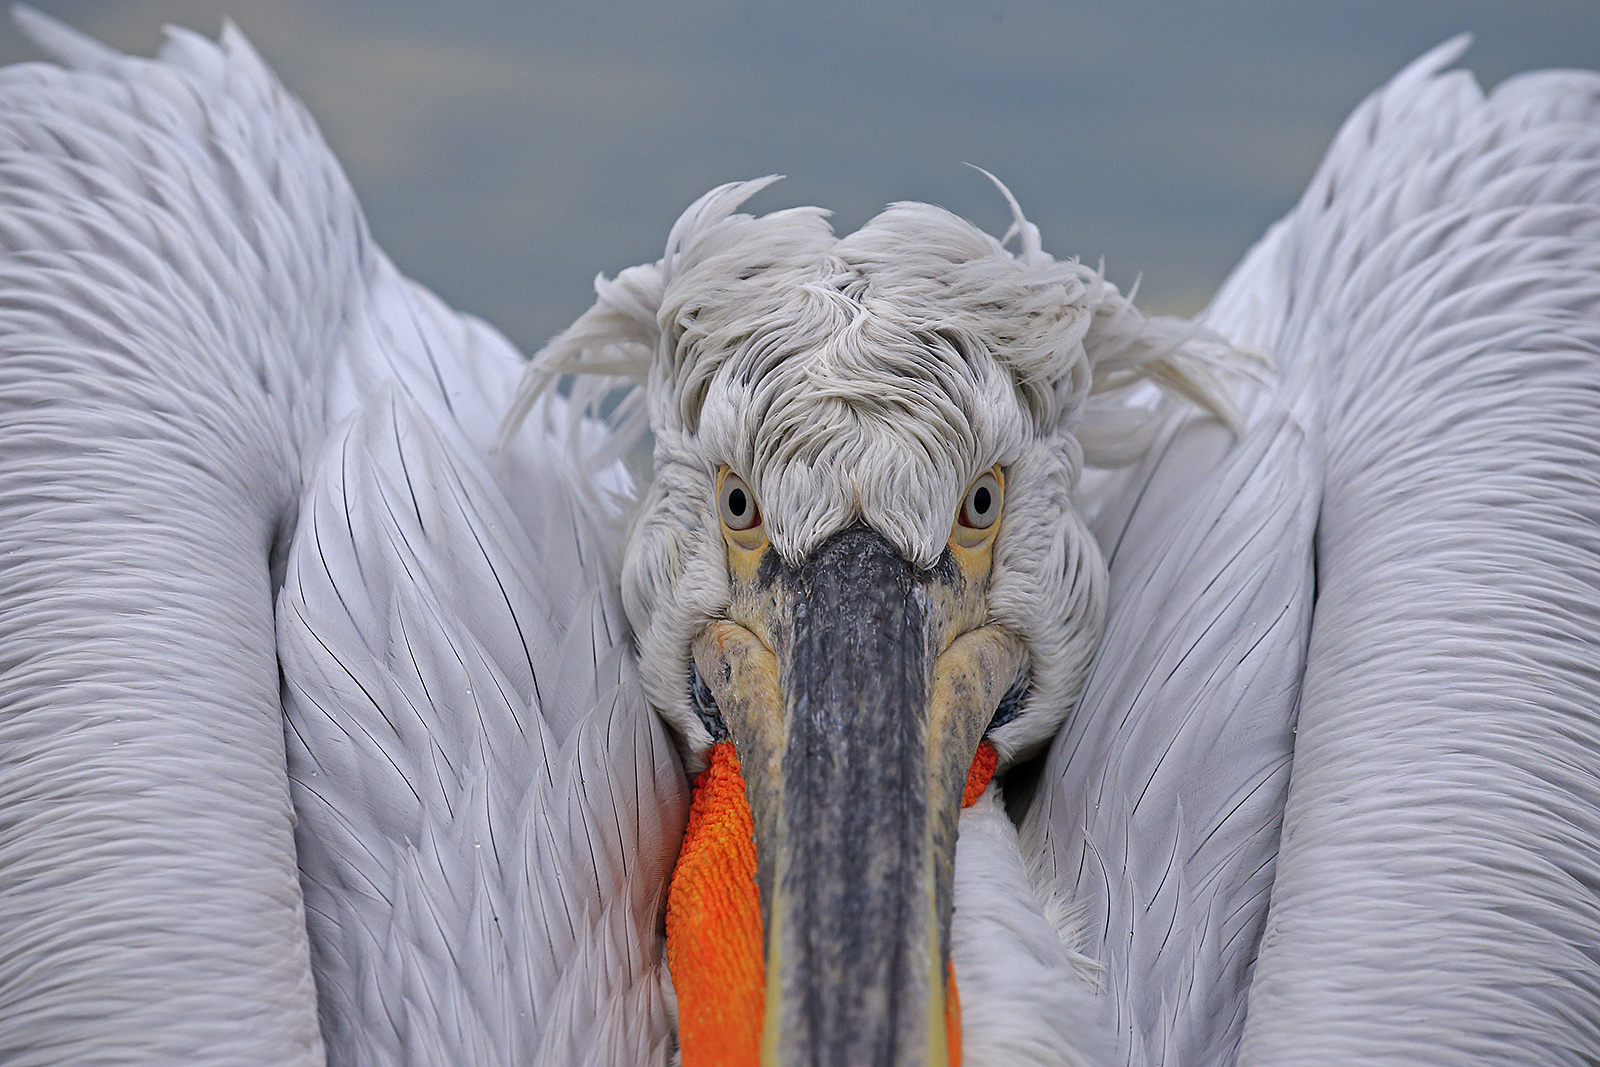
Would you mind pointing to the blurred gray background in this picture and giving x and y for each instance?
(506, 152)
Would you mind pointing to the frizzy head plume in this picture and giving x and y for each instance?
(758, 289)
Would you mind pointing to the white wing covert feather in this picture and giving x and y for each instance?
(489, 809)
(152, 425)
(1159, 808)
(473, 881)
(1028, 996)
(1431, 308)
(191, 292)
(1436, 895)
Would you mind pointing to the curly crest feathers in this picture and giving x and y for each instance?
(778, 284)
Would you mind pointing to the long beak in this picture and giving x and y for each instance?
(856, 714)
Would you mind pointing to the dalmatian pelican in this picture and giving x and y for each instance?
(1038, 682)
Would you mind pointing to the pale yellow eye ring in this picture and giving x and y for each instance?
(736, 504)
(980, 508)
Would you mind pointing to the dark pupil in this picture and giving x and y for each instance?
(980, 500)
(736, 502)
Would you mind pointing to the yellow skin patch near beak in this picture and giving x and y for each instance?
(715, 941)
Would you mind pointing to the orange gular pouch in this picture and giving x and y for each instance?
(714, 942)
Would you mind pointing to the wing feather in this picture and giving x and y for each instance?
(1162, 797)
(1435, 898)
(152, 420)
(1431, 308)
(206, 360)
(475, 880)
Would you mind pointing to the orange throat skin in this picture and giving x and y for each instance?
(714, 943)
(714, 946)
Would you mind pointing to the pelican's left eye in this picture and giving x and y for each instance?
(981, 509)
(737, 503)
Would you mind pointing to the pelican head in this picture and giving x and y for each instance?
(858, 560)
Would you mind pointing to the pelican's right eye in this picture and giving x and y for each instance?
(737, 503)
(742, 531)
(981, 508)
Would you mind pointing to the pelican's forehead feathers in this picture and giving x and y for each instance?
(872, 376)
(868, 376)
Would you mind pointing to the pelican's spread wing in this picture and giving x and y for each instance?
(1436, 896)
(1433, 307)
(488, 809)
(212, 379)
(155, 405)
(478, 880)
(1162, 797)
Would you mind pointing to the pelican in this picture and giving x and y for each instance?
(1094, 688)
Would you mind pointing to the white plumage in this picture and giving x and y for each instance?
(228, 425)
